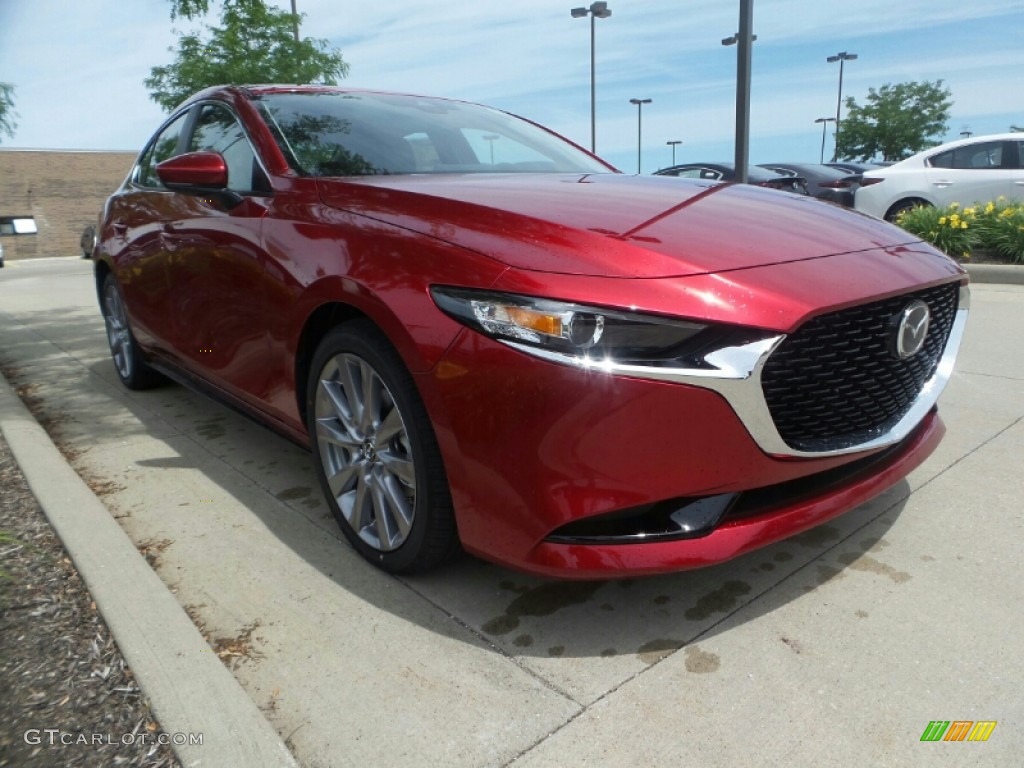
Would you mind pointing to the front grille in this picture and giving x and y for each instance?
(835, 383)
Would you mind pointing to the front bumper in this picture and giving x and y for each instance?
(733, 538)
(531, 446)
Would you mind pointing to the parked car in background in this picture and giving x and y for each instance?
(823, 182)
(977, 169)
(852, 167)
(88, 241)
(564, 369)
(724, 171)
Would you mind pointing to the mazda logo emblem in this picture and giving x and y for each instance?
(910, 329)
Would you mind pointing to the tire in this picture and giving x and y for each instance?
(904, 205)
(124, 349)
(376, 454)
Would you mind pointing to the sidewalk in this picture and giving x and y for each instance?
(190, 691)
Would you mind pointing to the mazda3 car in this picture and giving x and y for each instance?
(491, 340)
(979, 169)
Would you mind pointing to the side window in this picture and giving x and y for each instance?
(164, 147)
(691, 173)
(988, 154)
(217, 130)
(1018, 160)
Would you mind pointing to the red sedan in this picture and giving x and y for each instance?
(491, 339)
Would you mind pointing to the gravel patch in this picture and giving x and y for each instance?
(69, 698)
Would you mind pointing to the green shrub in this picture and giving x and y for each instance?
(1002, 229)
(996, 226)
(948, 229)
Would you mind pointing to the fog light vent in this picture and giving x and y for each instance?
(680, 518)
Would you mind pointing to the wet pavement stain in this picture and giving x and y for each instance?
(794, 645)
(500, 625)
(782, 557)
(701, 662)
(607, 652)
(523, 641)
(722, 600)
(662, 599)
(211, 430)
(827, 573)
(766, 566)
(656, 650)
(556, 650)
(868, 564)
(817, 537)
(607, 607)
(861, 614)
(874, 544)
(542, 601)
(297, 492)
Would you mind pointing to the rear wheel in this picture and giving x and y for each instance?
(905, 205)
(376, 454)
(124, 349)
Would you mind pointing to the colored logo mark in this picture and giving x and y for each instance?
(958, 730)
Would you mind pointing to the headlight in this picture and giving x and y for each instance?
(571, 329)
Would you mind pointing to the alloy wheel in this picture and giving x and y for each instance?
(365, 452)
(118, 334)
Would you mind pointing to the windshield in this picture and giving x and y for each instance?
(360, 134)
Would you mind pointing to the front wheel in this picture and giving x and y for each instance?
(124, 349)
(376, 453)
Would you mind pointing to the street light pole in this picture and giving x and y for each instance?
(674, 144)
(295, 21)
(842, 57)
(743, 40)
(490, 138)
(597, 10)
(639, 131)
(823, 121)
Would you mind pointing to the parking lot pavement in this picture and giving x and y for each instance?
(837, 647)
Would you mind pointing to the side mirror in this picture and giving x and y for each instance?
(199, 173)
(194, 169)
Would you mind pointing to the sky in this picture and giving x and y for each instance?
(78, 66)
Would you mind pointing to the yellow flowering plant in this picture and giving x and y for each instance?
(996, 226)
(1001, 229)
(948, 229)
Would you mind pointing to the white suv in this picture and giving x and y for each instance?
(967, 171)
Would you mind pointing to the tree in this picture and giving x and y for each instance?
(189, 9)
(7, 113)
(253, 44)
(895, 122)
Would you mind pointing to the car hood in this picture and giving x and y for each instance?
(613, 225)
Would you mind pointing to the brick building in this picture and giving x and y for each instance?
(61, 190)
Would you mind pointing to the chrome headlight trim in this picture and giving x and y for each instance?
(736, 376)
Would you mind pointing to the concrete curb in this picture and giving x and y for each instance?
(189, 689)
(1011, 274)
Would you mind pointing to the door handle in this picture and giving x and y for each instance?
(942, 183)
